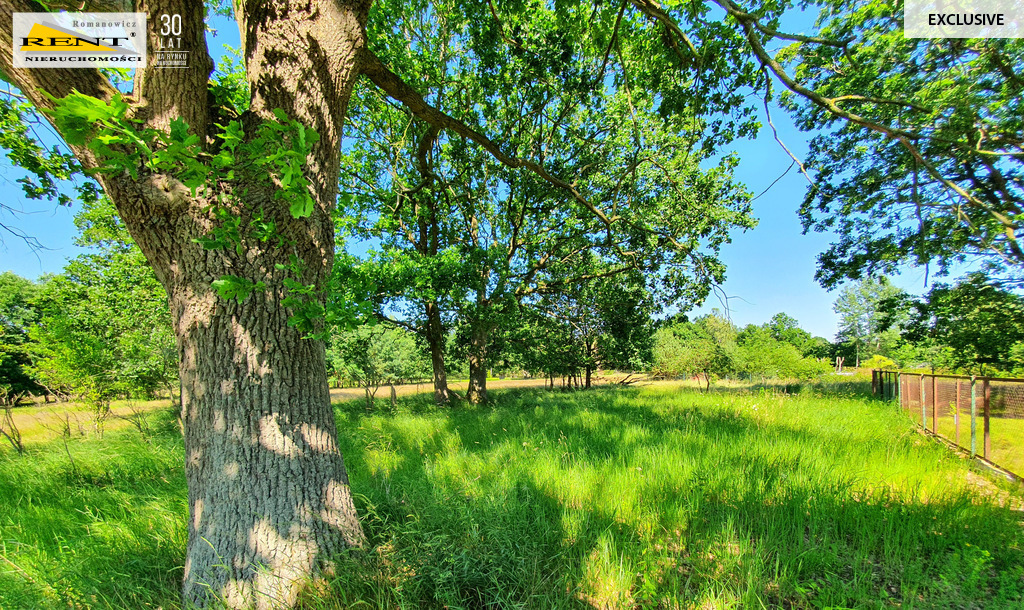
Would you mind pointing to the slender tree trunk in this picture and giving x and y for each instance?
(436, 344)
(588, 377)
(477, 392)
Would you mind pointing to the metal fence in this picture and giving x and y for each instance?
(982, 415)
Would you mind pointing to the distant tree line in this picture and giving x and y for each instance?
(711, 347)
(101, 329)
(973, 326)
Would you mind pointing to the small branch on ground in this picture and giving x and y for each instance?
(10, 429)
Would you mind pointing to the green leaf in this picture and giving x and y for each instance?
(233, 287)
(179, 130)
(301, 206)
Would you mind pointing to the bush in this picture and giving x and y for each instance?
(878, 362)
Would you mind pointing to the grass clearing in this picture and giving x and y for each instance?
(611, 498)
(106, 530)
(1006, 436)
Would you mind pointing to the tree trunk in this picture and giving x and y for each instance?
(269, 502)
(477, 392)
(268, 493)
(436, 343)
(587, 386)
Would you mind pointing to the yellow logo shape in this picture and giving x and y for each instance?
(45, 38)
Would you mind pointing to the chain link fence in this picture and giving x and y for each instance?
(982, 415)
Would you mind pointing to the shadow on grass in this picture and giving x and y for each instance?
(105, 532)
(563, 500)
(539, 500)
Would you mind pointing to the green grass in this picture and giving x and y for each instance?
(106, 531)
(612, 498)
(1006, 437)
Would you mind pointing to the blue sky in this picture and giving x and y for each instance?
(770, 268)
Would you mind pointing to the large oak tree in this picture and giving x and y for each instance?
(226, 190)
(464, 239)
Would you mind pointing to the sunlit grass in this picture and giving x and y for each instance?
(661, 498)
(106, 530)
(612, 498)
(42, 422)
(1006, 437)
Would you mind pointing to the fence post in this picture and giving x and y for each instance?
(988, 399)
(899, 388)
(935, 406)
(874, 383)
(974, 417)
(924, 414)
(956, 413)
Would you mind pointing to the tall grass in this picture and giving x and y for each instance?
(612, 498)
(101, 525)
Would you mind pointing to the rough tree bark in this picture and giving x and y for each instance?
(269, 500)
(435, 342)
(477, 392)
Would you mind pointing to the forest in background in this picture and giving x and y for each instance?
(100, 330)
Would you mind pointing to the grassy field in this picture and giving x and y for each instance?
(650, 497)
(1006, 437)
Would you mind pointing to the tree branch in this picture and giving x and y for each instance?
(395, 87)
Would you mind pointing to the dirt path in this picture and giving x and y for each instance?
(426, 387)
(41, 422)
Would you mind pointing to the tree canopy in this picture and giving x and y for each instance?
(919, 152)
(560, 128)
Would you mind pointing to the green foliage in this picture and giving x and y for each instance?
(879, 362)
(706, 347)
(229, 87)
(971, 326)
(374, 355)
(867, 325)
(639, 497)
(457, 229)
(18, 313)
(603, 323)
(761, 353)
(232, 287)
(712, 346)
(786, 329)
(273, 156)
(47, 169)
(103, 328)
(957, 102)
